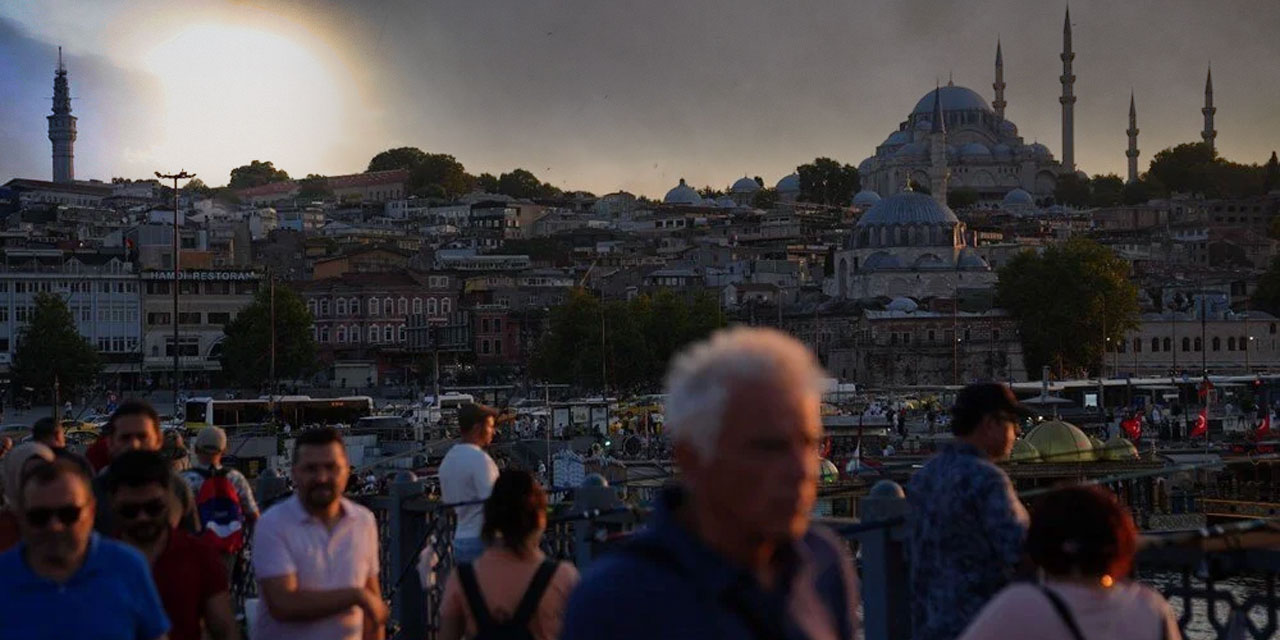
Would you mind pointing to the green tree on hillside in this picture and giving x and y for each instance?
(246, 351)
(1106, 190)
(1196, 168)
(1063, 299)
(827, 182)
(50, 348)
(520, 183)
(1072, 191)
(256, 174)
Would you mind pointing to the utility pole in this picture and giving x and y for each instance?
(177, 367)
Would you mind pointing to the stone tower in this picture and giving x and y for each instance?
(62, 127)
(938, 172)
(1132, 152)
(1068, 98)
(998, 103)
(1209, 134)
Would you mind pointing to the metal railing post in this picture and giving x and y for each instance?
(405, 530)
(885, 589)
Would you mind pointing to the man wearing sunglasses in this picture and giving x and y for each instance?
(65, 581)
(135, 426)
(189, 574)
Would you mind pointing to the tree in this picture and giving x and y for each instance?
(639, 337)
(1106, 190)
(246, 351)
(711, 192)
(443, 171)
(1072, 190)
(256, 174)
(487, 183)
(50, 349)
(1141, 190)
(765, 198)
(399, 158)
(1195, 167)
(197, 187)
(962, 197)
(314, 187)
(1267, 296)
(1064, 299)
(825, 181)
(1271, 179)
(520, 183)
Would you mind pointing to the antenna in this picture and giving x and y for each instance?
(61, 68)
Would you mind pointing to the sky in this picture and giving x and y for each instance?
(607, 96)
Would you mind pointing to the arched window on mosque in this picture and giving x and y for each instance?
(1231, 343)
(1199, 345)
(1186, 344)
(1217, 344)
(1155, 345)
(1168, 345)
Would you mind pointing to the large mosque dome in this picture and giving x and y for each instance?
(789, 184)
(953, 98)
(908, 208)
(745, 185)
(1059, 441)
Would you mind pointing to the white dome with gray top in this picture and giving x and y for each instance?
(682, 194)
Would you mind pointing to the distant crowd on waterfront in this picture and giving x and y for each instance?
(121, 543)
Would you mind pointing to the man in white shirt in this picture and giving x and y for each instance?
(315, 555)
(467, 475)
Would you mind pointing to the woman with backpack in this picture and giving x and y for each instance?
(512, 590)
(1084, 541)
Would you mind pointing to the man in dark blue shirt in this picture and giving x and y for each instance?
(966, 525)
(63, 580)
(731, 553)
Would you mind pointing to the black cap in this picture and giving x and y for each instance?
(989, 397)
(473, 412)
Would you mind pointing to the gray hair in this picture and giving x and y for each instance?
(702, 376)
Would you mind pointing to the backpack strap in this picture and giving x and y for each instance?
(475, 601)
(533, 594)
(1063, 612)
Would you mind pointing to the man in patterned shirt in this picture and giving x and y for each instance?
(966, 526)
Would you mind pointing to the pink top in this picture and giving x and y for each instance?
(288, 540)
(1127, 611)
(503, 578)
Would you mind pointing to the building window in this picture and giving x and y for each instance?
(1155, 345)
(1199, 345)
(1137, 345)
(432, 307)
(400, 333)
(218, 318)
(341, 334)
(1186, 345)
(189, 317)
(417, 306)
(1217, 344)
(1168, 345)
(374, 307)
(388, 306)
(154, 318)
(388, 334)
(497, 326)
(373, 333)
(1231, 343)
(324, 333)
(341, 308)
(403, 306)
(324, 308)
(497, 347)
(355, 306)
(445, 305)
(484, 347)
(1242, 344)
(311, 307)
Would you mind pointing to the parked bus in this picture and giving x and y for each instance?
(296, 411)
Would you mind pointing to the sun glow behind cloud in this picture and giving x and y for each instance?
(236, 93)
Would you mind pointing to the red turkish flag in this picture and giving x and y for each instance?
(1133, 426)
(1202, 424)
(1264, 429)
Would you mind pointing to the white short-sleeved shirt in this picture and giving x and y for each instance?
(288, 540)
(467, 474)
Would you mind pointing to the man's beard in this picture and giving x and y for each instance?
(61, 545)
(316, 497)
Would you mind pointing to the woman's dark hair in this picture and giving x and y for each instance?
(512, 510)
(1082, 529)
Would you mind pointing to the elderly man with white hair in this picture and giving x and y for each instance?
(730, 551)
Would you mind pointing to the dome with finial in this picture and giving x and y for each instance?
(952, 98)
(908, 207)
(1119, 449)
(866, 199)
(745, 185)
(1059, 441)
(682, 194)
(789, 184)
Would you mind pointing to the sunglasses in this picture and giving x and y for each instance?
(130, 510)
(68, 515)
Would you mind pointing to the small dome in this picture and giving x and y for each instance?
(828, 473)
(1018, 198)
(969, 259)
(975, 150)
(789, 184)
(745, 185)
(867, 166)
(1008, 128)
(708, 202)
(866, 198)
(902, 304)
(682, 194)
(1059, 441)
(1024, 451)
(725, 202)
(1039, 150)
(1118, 449)
(908, 207)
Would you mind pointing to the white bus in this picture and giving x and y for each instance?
(296, 411)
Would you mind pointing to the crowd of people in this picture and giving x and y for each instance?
(135, 549)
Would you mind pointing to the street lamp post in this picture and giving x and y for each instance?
(177, 367)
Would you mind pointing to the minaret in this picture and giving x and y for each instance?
(62, 127)
(1068, 98)
(1209, 133)
(938, 152)
(1132, 153)
(998, 103)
